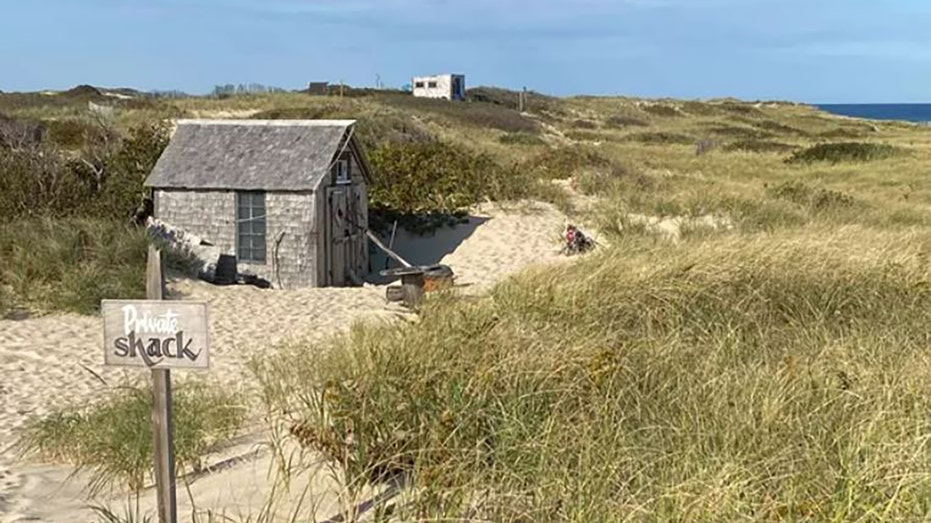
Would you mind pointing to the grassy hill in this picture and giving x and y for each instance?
(765, 361)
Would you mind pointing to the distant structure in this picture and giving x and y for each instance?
(444, 86)
(319, 88)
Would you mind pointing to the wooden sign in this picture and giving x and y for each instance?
(155, 334)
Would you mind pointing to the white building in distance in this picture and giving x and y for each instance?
(445, 86)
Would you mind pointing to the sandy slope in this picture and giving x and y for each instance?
(56, 360)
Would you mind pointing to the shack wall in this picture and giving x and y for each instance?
(291, 244)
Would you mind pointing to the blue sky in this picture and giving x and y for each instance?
(805, 50)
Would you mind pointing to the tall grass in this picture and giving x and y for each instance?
(112, 439)
(71, 265)
(767, 378)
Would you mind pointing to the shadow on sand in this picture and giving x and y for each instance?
(429, 249)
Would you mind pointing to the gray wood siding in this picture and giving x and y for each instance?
(290, 217)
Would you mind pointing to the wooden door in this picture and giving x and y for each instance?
(347, 254)
(338, 235)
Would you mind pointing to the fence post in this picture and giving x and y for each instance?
(161, 407)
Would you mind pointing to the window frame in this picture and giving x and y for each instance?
(256, 205)
(342, 166)
(419, 85)
(433, 84)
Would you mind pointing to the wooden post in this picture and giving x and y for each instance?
(161, 407)
(412, 285)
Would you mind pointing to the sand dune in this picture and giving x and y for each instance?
(52, 361)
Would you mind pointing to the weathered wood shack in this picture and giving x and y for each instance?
(286, 197)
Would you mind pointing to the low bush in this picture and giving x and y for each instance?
(430, 177)
(666, 111)
(591, 136)
(521, 139)
(779, 128)
(68, 133)
(740, 108)
(563, 162)
(759, 146)
(476, 114)
(112, 439)
(697, 108)
(621, 122)
(316, 112)
(536, 102)
(584, 124)
(738, 133)
(103, 181)
(661, 138)
(372, 131)
(816, 199)
(842, 134)
(844, 152)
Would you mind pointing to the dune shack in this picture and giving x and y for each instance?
(287, 198)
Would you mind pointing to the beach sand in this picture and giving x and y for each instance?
(54, 361)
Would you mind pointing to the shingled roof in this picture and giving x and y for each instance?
(266, 155)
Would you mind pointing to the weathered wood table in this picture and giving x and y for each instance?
(412, 283)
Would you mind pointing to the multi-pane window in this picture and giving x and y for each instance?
(250, 226)
(431, 85)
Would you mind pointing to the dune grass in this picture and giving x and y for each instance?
(71, 265)
(112, 439)
(764, 378)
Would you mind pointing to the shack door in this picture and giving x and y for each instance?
(347, 256)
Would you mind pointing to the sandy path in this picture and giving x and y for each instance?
(44, 361)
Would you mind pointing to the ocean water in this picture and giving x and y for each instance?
(906, 112)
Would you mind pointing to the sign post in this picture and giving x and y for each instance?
(158, 335)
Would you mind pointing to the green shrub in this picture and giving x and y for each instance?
(584, 124)
(739, 133)
(779, 128)
(103, 181)
(666, 111)
(536, 102)
(696, 108)
(319, 112)
(591, 136)
(817, 199)
(112, 439)
(661, 137)
(67, 133)
(476, 114)
(842, 134)
(844, 152)
(740, 108)
(419, 178)
(759, 146)
(521, 139)
(371, 131)
(621, 122)
(563, 162)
